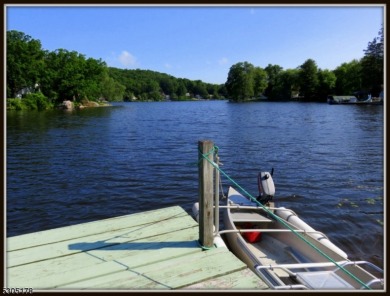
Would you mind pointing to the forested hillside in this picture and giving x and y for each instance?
(46, 78)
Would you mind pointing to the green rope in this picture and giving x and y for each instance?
(213, 150)
(204, 247)
(252, 198)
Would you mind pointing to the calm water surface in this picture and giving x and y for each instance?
(65, 168)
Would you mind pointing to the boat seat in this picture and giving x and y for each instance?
(249, 217)
(327, 280)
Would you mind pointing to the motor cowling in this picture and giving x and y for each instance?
(266, 187)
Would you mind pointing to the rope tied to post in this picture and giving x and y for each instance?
(213, 151)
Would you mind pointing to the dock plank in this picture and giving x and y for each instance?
(97, 241)
(27, 274)
(74, 275)
(168, 274)
(142, 252)
(154, 250)
(239, 280)
(90, 228)
(203, 266)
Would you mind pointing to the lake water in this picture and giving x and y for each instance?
(65, 168)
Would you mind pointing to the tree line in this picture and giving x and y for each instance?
(146, 85)
(307, 82)
(46, 78)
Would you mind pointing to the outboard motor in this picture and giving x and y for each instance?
(266, 187)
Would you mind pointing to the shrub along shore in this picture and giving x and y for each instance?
(37, 101)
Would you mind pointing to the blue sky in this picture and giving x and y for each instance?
(203, 42)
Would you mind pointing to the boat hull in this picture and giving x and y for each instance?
(283, 243)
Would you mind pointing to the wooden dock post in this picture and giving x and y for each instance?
(206, 189)
(216, 195)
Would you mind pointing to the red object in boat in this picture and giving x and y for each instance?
(252, 237)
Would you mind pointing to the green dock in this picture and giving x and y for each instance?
(154, 250)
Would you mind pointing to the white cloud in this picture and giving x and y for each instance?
(223, 61)
(167, 65)
(127, 59)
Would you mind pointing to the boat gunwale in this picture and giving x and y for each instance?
(275, 277)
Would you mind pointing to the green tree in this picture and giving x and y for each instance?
(92, 75)
(153, 91)
(200, 89)
(240, 84)
(348, 78)
(37, 101)
(168, 85)
(70, 76)
(32, 101)
(222, 91)
(286, 85)
(181, 89)
(273, 73)
(213, 91)
(259, 81)
(190, 86)
(111, 90)
(308, 80)
(326, 84)
(24, 62)
(373, 65)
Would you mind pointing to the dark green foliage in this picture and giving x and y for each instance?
(15, 104)
(348, 78)
(245, 82)
(146, 85)
(326, 84)
(240, 82)
(111, 90)
(200, 90)
(24, 62)
(286, 85)
(37, 101)
(373, 65)
(259, 81)
(32, 101)
(71, 76)
(273, 75)
(308, 80)
(181, 88)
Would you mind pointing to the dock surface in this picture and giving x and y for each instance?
(154, 250)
